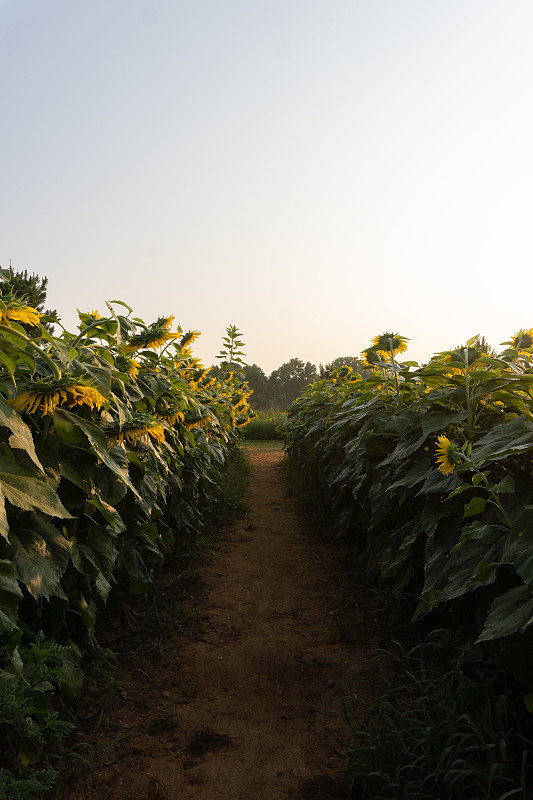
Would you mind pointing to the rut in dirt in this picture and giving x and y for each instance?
(244, 711)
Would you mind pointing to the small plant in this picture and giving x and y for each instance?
(29, 725)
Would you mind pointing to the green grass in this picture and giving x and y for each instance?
(447, 726)
(266, 426)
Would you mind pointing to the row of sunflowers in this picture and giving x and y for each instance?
(427, 472)
(112, 440)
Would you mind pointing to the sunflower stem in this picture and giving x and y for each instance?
(395, 375)
(94, 324)
(45, 356)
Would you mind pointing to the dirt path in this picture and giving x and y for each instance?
(242, 712)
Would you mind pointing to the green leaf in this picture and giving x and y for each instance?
(521, 553)
(98, 440)
(505, 486)
(483, 573)
(10, 419)
(439, 420)
(508, 438)
(96, 556)
(10, 596)
(40, 555)
(509, 613)
(26, 490)
(475, 506)
(417, 473)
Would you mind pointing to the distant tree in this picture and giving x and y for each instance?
(289, 380)
(32, 290)
(342, 361)
(258, 382)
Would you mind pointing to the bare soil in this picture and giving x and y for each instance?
(243, 710)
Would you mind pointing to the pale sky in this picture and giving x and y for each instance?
(315, 172)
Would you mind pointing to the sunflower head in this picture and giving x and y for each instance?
(171, 414)
(522, 340)
(389, 343)
(44, 395)
(371, 357)
(142, 428)
(128, 365)
(154, 336)
(13, 309)
(448, 456)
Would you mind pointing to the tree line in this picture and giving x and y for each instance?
(277, 390)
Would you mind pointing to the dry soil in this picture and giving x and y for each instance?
(243, 710)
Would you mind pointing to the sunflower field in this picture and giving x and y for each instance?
(112, 440)
(427, 472)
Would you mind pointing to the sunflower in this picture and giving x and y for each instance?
(188, 338)
(46, 394)
(382, 345)
(521, 340)
(448, 456)
(154, 336)
(14, 310)
(171, 414)
(128, 365)
(370, 357)
(140, 429)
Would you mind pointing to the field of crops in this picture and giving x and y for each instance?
(427, 470)
(113, 439)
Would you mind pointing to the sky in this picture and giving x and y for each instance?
(315, 172)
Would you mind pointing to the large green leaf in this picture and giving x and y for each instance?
(96, 556)
(40, 554)
(10, 596)
(138, 557)
(508, 438)
(509, 613)
(19, 429)
(98, 441)
(27, 490)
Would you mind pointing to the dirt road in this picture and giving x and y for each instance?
(242, 711)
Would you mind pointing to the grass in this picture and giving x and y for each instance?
(447, 726)
(265, 426)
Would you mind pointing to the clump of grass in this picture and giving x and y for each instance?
(440, 729)
(265, 426)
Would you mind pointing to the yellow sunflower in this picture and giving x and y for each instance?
(140, 429)
(522, 339)
(382, 345)
(171, 414)
(14, 310)
(188, 338)
(128, 365)
(44, 395)
(448, 456)
(154, 336)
